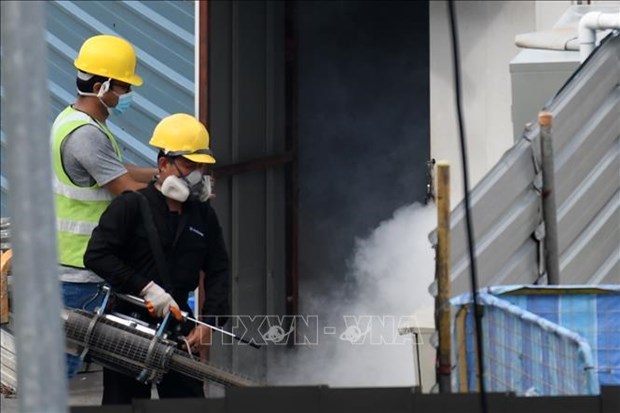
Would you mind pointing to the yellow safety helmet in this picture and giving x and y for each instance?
(183, 135)
(109, 56)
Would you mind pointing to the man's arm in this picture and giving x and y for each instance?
(123, 183)
(110, 240)
(140, 173)
(88, 154)
(137, 177)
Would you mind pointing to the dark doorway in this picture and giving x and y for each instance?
(362, 125)
(319, 114)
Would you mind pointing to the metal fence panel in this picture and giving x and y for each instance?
(544, 342)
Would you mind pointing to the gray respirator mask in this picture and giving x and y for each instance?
(194, 186)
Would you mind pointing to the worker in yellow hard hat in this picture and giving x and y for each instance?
(163, 265)
(87, 161)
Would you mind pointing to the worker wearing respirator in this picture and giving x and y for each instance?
(120, 250)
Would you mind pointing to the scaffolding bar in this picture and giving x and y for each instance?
(444, 365)
(548, 199)
(42, 383)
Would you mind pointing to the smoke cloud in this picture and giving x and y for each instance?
(386, 287)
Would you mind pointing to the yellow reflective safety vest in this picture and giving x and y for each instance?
(78, 209)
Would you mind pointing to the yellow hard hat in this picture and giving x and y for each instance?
(109, 56)
(183, 135)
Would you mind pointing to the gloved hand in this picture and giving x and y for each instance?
(207, 189)
(158, 301)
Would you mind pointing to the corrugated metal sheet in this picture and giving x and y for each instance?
(506, 208)
(246, 112)
(162, 33)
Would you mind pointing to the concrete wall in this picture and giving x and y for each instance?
(486, 35)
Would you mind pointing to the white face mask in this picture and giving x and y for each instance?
(105, 86)
(175, 188)
(182, 188)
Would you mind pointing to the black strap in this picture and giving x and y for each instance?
(151, 232)
(180, 226)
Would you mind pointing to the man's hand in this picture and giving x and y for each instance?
(158, 301)
(140, 173)
(199, 338)
(123, 183)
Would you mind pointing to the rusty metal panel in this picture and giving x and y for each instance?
(246, 107)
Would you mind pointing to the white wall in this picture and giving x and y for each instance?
(486, 36)
(487, 30)
(548, 13)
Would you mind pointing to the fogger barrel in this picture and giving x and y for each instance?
(131, 350)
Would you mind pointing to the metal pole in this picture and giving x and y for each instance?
(548, 197)
(42, 383)
(444, 363)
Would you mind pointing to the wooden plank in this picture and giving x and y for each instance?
(442, 275)
(462, 351)
(5, 261)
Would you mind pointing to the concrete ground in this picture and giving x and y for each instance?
(84, 390)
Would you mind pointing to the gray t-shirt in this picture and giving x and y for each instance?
(88, 157)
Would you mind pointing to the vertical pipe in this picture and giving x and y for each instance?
(202, 61)
(201, 110)
(548, 197)
(201, 90)
(292, 169)
(416, 349)
(42, 383)
(444, 363)
(270, 132)
(270, 174)
(235, 39)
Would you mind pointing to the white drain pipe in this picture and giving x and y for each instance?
(589, 24)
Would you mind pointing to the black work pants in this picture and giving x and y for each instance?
(121, 389)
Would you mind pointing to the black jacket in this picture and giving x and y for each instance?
(120, 253)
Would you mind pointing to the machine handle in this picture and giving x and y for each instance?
(176, 312)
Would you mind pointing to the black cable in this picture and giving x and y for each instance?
(468, 219)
